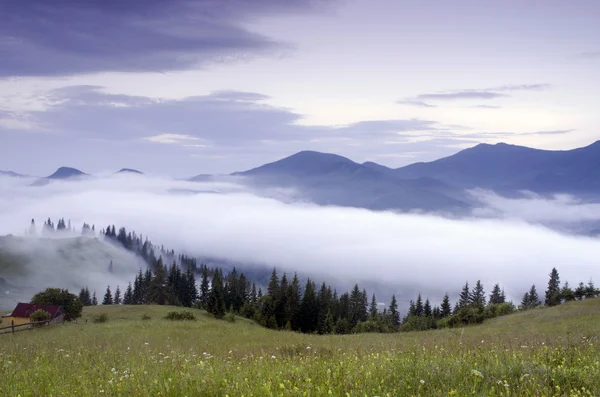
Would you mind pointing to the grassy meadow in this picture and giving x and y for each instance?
(542, 352)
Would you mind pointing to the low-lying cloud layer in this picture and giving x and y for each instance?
(405, 252)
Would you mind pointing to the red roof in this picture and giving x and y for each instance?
(25, 309)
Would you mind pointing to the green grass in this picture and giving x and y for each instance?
(544, 352)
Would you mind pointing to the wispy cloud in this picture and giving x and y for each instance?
(422, 100)
(172, 138)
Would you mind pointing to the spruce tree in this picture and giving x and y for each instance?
(117, 298)
(94, 299)
(204, 287)
(465, 296)
(445, 308)
(590, 290)
(552, 296)
(427, 311)
(216, 297)
(191, 292)
(566, 293)
(273, 288)
(393, 312)
(496, 297)
(419, 306)
(158, 291)
(128, 296)
(373, 308)
(292, 300)
(108, 300)
(478, 296)
(308, 310)
(580, 291)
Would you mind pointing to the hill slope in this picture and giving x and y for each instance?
(509, 167)
(329, 179)
(30, 264)
(541, 352)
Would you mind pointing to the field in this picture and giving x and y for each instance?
(543, 352)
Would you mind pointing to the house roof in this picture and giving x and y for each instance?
(25, 310)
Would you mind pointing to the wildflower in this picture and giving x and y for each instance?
(476, 373)
(422, 381)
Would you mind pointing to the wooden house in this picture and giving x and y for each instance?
(21, 313)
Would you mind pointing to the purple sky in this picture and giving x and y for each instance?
(187, 87)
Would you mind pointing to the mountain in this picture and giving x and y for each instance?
(66, 173)
(11, 173)
(329, 179)
(504, 167)
(129, 171)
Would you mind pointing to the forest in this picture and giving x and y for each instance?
(171, 279)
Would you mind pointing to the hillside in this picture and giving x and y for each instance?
(549, 351)
(29, 264)
(508, 167)
(329, 179)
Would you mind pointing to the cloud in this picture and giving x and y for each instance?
(590, 55)
(406, 253)
(173, 138)
(74, 37)
(450, 96)
(470, 94)
(486, 107)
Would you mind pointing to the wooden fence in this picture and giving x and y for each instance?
(11, 329)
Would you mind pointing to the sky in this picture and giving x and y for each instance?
(400, 253)
(186, 87)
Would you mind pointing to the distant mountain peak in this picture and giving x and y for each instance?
(65, 173)
(129, 171)
(11, 173)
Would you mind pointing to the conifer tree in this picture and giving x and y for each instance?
(580, 291)
(191, 292)
(108, 300)
(465, 296)
(323, 304)
(497, 296)
(158, 291)
(427, 311)
(567, 293)
(94, 299)
(128, 296)
(308, 310)
(117, 298)
(590, 290)
(204, 287)
(478, 296)
(373, 308)
(393, 312)
(216, 297)
(445, 308)
(552, 296)
(419, 306)
(292, 300)
(273, 288)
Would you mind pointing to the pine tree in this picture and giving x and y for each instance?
(419, 306)
(478, 296)
(465, 296)
(580, 291)
(373, 308)
(191, 292)
(117, 298)
(393, 312)
(216, 297)
(158, 291)
(445, 308)
(552, 296)
(128, 296)
(590, 290)
(308, 310)
(567, 293)
(292, 300)
(427, 311)
(204, 287)
(530, 299)
(497, 295)
(273, 288)
(108, 300)
(94, 299)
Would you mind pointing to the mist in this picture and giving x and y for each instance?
(403, 253)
